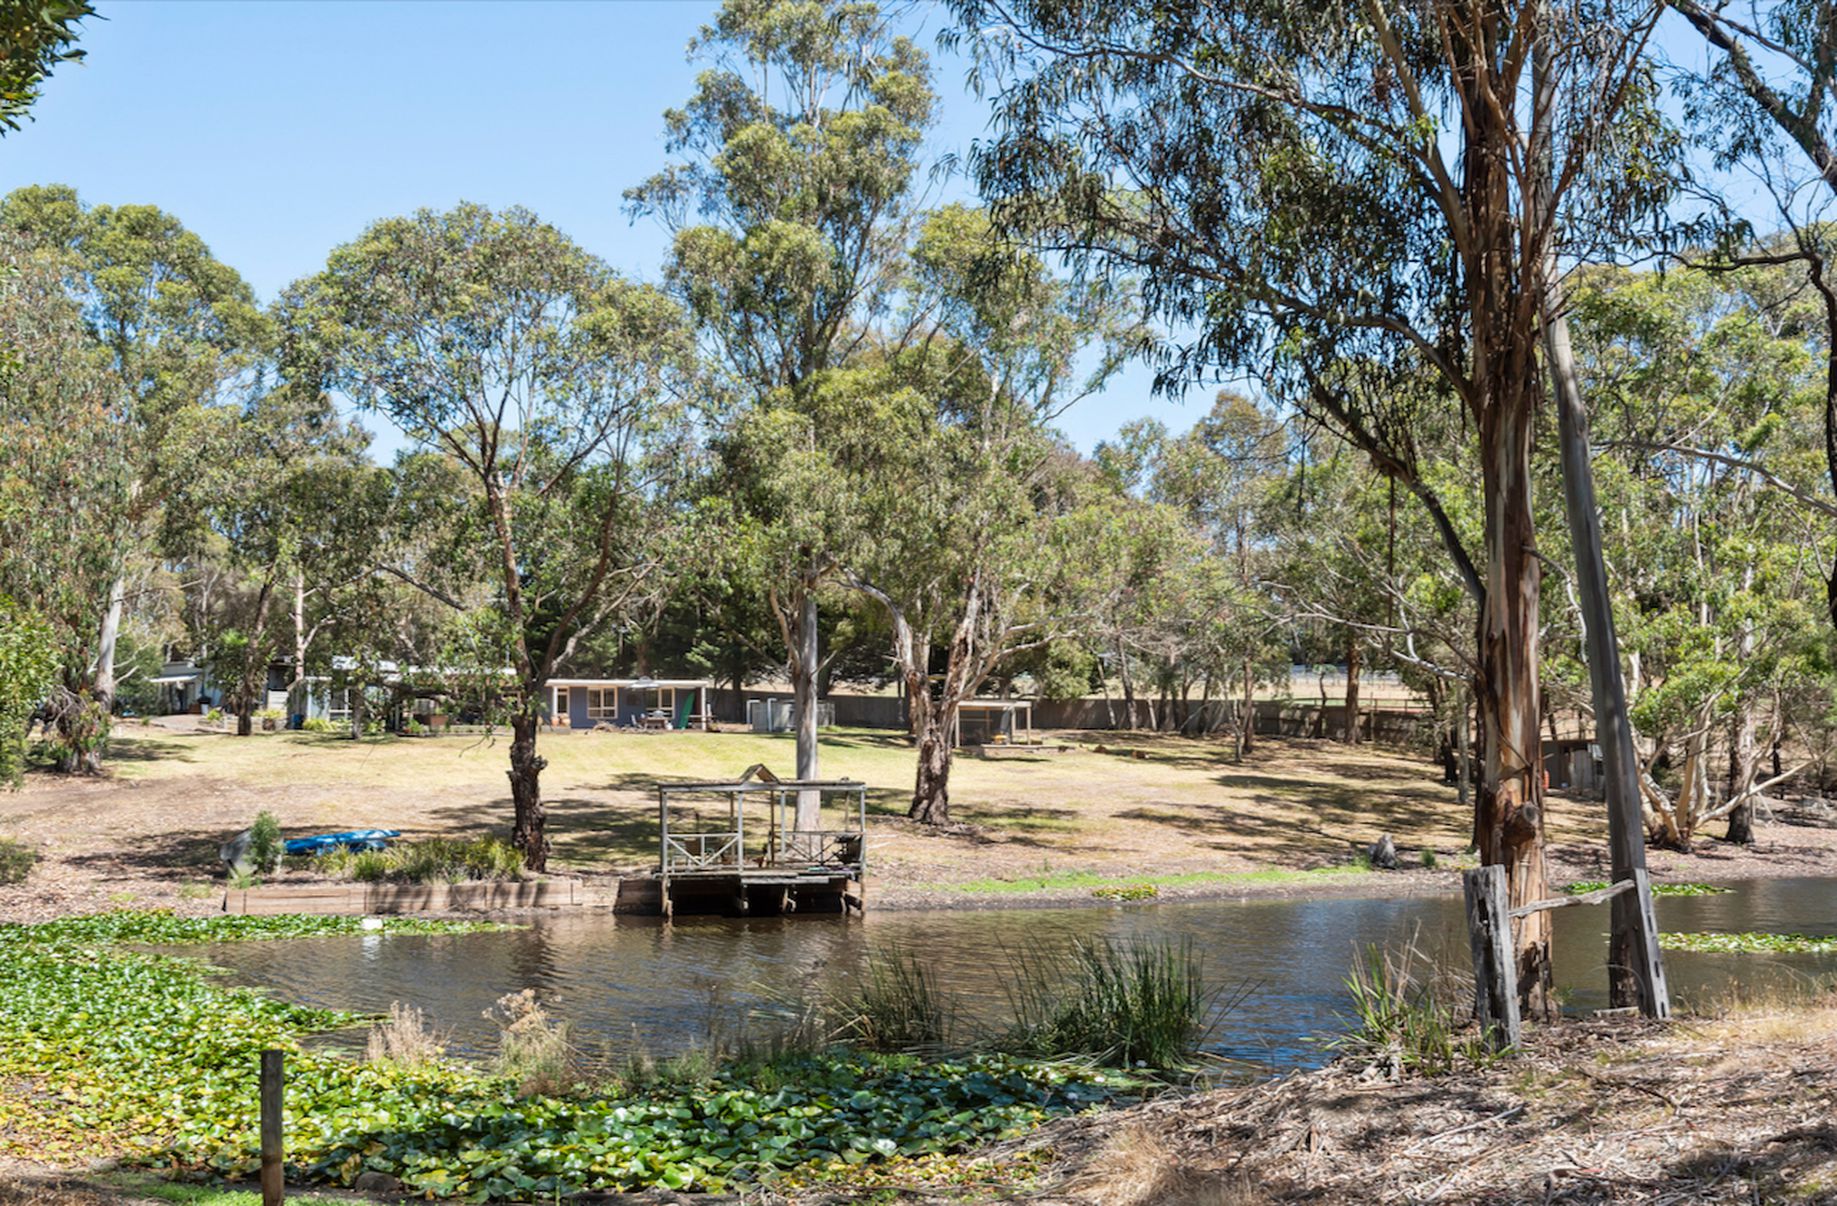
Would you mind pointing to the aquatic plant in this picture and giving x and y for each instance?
(1125, 892)
(898, 1006)
(1407, 1015)
(1129, 1004)
(106, 1050)
(1750, 943)
(1582, 886)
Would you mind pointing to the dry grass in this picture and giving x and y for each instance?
(1733, 1109)
(405, 1039)
(1138, 1168)
(1182, 808)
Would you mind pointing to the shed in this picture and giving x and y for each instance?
(993, 722)
(664, 704)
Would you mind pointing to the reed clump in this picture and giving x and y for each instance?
(1408, 1014)
(1138, 1004)
(898, 1006)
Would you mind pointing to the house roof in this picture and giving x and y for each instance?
(645, 684)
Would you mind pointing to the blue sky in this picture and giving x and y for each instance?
(278, 130)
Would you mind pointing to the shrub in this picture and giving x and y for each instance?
(405, 1039)
(16, 861)
(430, 861)
(1139, 1004)
(1428, 859)
(265, 845)
(368, 866)
(532, 1046)
(315, 724)
(899, 1006)
(1406, 1015)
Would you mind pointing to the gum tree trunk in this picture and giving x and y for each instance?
(1352, 691)
(804, 688)
(89, 761)
(526, 766)
(1508, 813)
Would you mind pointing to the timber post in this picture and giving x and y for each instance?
(273, 1177)
(1495, 973)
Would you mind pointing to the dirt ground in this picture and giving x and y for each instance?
(1741, 1109)
(1137, 807)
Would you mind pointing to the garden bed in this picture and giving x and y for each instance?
(365, 899)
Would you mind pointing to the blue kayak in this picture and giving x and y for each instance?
(355, 839)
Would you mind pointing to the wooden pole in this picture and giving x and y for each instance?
(273, 1182)
(1495, 969)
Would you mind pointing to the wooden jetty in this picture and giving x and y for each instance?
(735, 847)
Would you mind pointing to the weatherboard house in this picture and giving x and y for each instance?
(629, 703)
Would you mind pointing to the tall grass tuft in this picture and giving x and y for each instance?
(533, 1047)
(1141, 1004)
(899, 1006)
(405, 1039)
(1407, 1016)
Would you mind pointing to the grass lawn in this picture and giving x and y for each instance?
(1175, 812)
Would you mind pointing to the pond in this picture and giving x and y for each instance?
(630, 982)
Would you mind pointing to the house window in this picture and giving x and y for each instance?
(561, 706)
(602, 703)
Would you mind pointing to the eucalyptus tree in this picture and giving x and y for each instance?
(1763, 104)
(35, 39)
(61, 486)
(274, 513)
(1708, 395)
(791, 207)
(964, 487)
(181, 334)
(494, 340)
(1308, 186)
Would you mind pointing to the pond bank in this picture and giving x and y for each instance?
(1736, 1108)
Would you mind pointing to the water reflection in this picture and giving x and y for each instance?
(630, 980)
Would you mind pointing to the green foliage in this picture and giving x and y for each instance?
(34, 39)
(156, 1057)
(28, 665)
(315, 724)
(1131, 1005)
(429, 861)
(1407, 1015)
(265, 845)
(1429, 859)
(1750, 943)
(16, 860)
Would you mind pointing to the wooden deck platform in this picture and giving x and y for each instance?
(761, 891)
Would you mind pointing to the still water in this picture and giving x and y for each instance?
(626, 982)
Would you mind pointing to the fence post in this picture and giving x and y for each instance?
(1655, 994)
(272, 1179)
(1495, 972)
